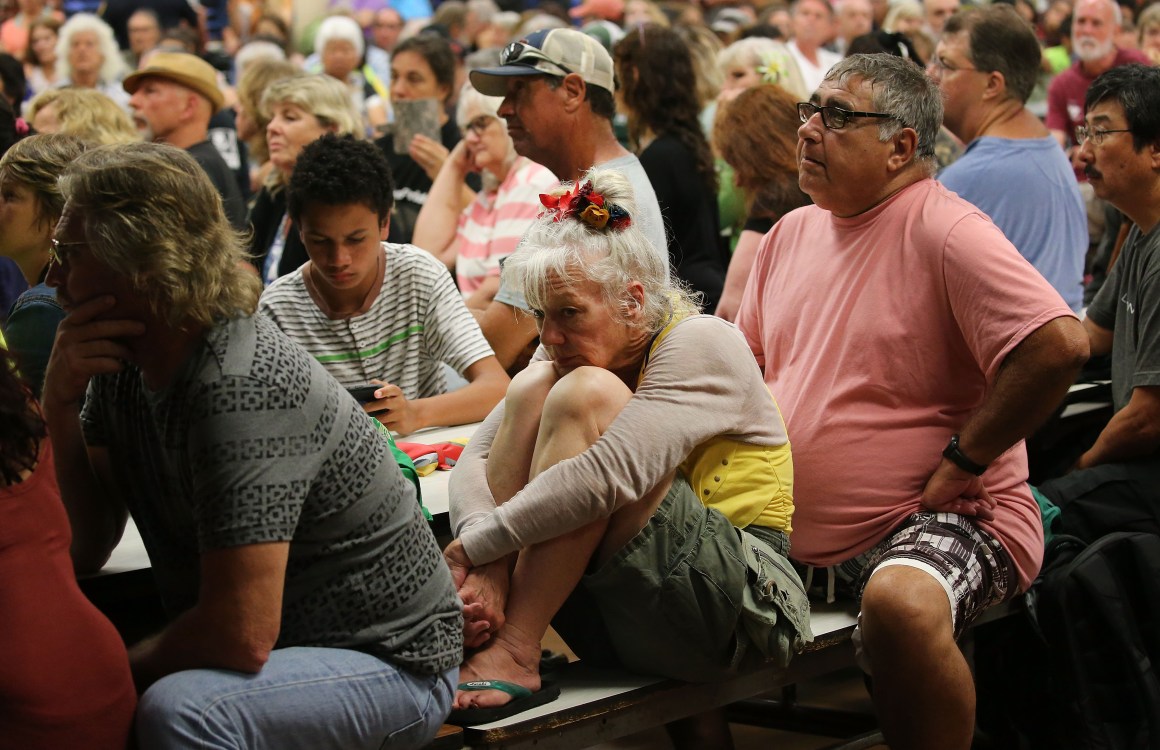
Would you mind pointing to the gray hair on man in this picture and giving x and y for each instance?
(901, 89)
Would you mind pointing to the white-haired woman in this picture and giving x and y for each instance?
(471, 232)
(340, 47)
(299, 111)
(88, 57)
(642, 476)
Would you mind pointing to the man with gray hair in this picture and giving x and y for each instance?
(911, 350)
(986, 65)
(1095, 24)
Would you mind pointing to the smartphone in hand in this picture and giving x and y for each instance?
(363, 393)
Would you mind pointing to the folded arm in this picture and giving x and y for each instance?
(234, 624)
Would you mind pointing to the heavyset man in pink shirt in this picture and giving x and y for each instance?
(889, 317)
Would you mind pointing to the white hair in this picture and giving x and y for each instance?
(484, 10)
(470, 100)
(339, 28)
(112, 67)
(252, 52)
(571, 251)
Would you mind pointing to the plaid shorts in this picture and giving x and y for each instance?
(970, 564)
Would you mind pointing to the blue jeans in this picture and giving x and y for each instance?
(310, 698)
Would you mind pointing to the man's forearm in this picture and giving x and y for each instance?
(1028, 387)
(1131, 433)
(193, 641)
(97, 521)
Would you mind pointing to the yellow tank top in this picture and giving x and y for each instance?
(748, 483)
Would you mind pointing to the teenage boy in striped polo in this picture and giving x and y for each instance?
(373, 312)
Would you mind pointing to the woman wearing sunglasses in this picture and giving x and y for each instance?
(469, 232)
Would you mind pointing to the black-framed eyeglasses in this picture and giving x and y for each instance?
(57, 253)
(521, 52)
(834, 118)
(478, 125)
(1083, 134)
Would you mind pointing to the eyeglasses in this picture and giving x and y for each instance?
(478, 125)
(942, 66)
(1083, 134)
(56, 252)
(834, 118)
(518, 53)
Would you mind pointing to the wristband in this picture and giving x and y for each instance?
(953, 454)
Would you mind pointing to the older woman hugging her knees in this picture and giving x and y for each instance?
(641, 493)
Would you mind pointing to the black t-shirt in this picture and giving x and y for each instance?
(759, 224)
(689, 208)
(223, 179)
(412, 184)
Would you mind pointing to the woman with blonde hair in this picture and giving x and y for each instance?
(472, 233)
(85, 113)
(300, 110)
(1148, 26)
(748, 62)
(30, 205)
(250, 121)
(89, 57)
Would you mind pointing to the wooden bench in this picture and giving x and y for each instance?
(601, 705)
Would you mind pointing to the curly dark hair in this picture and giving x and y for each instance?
(21, 428)
(656, 73)
(756, 134)
(340, 171)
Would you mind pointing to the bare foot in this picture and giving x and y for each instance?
(484, 594)
(510, 656)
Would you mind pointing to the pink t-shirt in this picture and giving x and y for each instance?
(491, 227)
(879, 335)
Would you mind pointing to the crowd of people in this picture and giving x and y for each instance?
(745, 298)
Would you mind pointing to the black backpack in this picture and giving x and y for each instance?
(1084, 670)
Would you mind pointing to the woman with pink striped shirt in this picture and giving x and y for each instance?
(471, 232)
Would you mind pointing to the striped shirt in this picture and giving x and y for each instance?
(417, 321)
(491, 227)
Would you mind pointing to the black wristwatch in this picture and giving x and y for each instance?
(959, 459)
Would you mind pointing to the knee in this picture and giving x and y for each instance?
(171, 714)
(530, 387)
(160, 711)
(904, 605)
(588, 393)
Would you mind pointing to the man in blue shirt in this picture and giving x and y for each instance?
(1013, 169)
